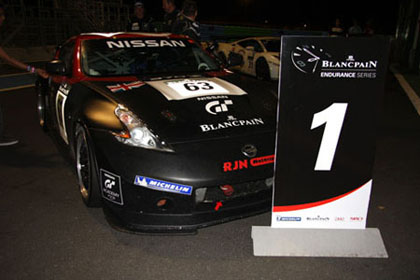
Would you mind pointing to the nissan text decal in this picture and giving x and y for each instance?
(121, 44)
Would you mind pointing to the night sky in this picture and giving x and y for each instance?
(317, 15)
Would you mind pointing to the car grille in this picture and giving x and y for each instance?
(215, 193)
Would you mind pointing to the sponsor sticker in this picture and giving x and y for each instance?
(216, 107)
(150, 43)
(189, 88)
(111, 187)
(179, 89)
(229, 166)
(163, 186)
(289, 219)
(230, 123)
(125, 86)
(312, 59)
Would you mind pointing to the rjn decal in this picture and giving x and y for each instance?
(247, 163)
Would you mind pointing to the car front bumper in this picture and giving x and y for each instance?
(200, 166)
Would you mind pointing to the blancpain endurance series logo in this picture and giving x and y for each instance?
(311, 59)
(350, 68)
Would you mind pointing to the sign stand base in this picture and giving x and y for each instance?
(355, 243)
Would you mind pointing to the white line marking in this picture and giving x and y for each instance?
(16, 88)
(412, 95)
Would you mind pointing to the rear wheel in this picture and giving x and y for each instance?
(261, 70)
(86, 169)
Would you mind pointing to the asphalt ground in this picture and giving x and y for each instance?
(47, 233)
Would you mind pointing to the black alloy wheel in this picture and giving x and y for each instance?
(86, 169)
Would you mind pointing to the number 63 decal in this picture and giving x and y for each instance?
(333, 118)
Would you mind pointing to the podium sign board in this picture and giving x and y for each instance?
(328, 91)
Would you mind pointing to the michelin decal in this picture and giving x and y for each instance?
(163, 186)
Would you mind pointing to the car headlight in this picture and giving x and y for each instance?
(137, 133)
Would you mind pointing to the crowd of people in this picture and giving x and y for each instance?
(356, 29)
(174, 21)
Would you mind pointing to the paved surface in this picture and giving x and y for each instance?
(47, 233)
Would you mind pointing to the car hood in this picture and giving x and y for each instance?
(193, 109)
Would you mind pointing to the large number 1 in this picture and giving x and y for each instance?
(333, 118)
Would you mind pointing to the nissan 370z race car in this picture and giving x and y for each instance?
(163, 137)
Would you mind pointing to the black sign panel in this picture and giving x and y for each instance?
(328, 91)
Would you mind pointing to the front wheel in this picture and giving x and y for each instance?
(86, 169)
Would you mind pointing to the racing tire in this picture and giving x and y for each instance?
(86, 168)
(262, 70)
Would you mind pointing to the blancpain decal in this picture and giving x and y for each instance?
(349, 69)
(231, 123)
(159, 185)
(122, 44)
(311, 59)
(318, 219)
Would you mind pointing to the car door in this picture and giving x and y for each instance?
(249, 49)
(60, 88)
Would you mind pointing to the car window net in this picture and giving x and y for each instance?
(134, 56)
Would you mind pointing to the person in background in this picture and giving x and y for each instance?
(140, 22)
(171, 13)
(4, 140)
(186, 23)
(337, 29)
(369, 30)
(355, 29)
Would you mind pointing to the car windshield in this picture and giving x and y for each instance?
(144, 57)
(272, 45)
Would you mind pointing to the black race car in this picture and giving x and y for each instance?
(163, 137)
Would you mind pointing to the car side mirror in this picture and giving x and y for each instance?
(234, 59)
(56, 67)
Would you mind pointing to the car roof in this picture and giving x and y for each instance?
(93, 35)
(260, 38)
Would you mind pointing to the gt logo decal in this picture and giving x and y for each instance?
(111, 187)
(245, 163)
(216, 107)
(109, 183)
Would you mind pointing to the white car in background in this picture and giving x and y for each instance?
(260, 56)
